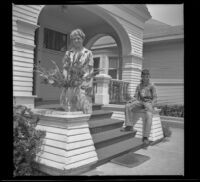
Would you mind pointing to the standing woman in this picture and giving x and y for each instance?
(86, 57)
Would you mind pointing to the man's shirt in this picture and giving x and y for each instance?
(146, 93)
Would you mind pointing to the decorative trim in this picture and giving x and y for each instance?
(25, 96)
(100, 46)
(138, 24)
(26, 24)
(119, 81)
(133, 55)
(174, 119)
(132, 68)
(168, 83)
(166, 38)
(23, 44)
(136, 11)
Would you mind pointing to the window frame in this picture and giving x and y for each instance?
(117, 67)
(57, 31)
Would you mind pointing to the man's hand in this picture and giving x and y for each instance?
(148, 106)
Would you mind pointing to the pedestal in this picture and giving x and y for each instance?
(156, 127)
(102, 95)
(68, 144)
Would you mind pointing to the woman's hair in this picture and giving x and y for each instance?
(77, 32)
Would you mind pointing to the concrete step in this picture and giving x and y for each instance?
(97, 126)
(41, 102)
(105, 154)
(96, 107)
(110, 137)
(56, 104)
(101, 114)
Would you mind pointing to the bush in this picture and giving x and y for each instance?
(172, 110)
(27, 141)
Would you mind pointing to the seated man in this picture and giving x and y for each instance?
(144, 99)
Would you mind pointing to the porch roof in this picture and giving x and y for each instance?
(155, 29)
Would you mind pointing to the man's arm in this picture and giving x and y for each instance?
(154, 95)
(136, 95)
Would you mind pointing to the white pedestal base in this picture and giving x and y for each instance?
(68, 143)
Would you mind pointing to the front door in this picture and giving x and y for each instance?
(44, 55)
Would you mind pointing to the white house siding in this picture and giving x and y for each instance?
(136, 36)
(24, 24)
(165, 61)
(132, 66)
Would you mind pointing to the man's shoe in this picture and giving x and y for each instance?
(127, 128)
(146, 141)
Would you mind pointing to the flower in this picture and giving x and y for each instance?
(51, 81)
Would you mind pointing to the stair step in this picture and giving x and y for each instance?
(55, 104)
(100, 114)
(97, 126)
(109, 137)
(107, 153)
(96, 107)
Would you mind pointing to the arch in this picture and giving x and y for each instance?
(120, 35)
(93, 40)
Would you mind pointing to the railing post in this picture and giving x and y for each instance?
(102, 95)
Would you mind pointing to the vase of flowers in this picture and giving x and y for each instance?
(68, 99)
(70, 80)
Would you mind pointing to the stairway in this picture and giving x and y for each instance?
(109, 141)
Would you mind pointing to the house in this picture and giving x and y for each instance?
(41, 33)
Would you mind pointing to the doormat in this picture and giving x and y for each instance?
(130, 160)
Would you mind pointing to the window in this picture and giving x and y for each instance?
(54, 40)
(113, 66)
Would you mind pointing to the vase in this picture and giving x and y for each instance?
(68, 99)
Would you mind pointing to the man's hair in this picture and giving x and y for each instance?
(77, 32)
(145, 72)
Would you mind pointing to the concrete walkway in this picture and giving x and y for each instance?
(166, 158)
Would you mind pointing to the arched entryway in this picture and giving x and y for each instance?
(56, 22)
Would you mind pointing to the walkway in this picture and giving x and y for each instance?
(166, 158)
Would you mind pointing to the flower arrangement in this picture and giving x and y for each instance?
(73, 74)
(70, 80)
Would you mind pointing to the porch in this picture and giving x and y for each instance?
(40, 33)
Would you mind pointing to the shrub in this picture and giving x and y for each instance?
(172, 110)
(27, 140)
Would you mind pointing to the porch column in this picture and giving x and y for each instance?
(102, 95)
(131, 71)
(104, 64)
